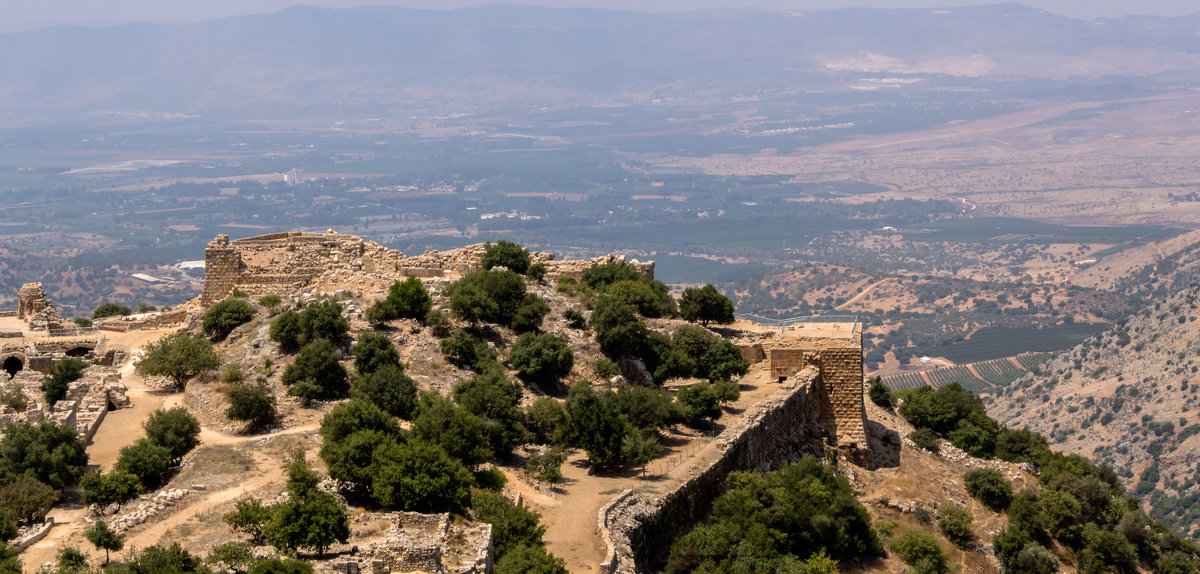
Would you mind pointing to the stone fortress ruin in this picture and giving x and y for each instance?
(33, 340)
(817, 409)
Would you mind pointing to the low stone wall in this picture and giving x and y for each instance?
(36, 535)
(8, 313)
(773, 433)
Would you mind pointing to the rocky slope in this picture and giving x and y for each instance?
(1127, 397)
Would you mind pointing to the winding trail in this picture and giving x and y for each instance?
(860, 296)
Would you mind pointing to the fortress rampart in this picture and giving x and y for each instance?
(818, 410)
(286, 263)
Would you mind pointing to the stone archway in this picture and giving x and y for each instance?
(79, 352)
(13, 365)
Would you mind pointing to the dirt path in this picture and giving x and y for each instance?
(860, 296)
(569, 512)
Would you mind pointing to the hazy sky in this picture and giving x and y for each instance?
(25, 14)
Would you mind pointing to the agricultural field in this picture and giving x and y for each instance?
(981, 377)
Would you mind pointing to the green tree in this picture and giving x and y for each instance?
(233, 556)
(112, 488)
(27, 499)
(462, 434)
(110, 310)
(1105, 551)
(373, 351)
(536, 272)
(438, 322)
(225, 316)
(419, 476)
(270, 301)
(618, 328)
(285, 330)
(8, 525)
(323, 320)
(170, 560)
(921, 551)
(506, 254)
(650, 298)
(1035, 559)
(13, 397)
(989, 487)
(700, 402)
(512, 525)
(880, 394)
(529, 314)
(495, 399)
(524, 559)
(175, 429)
(310, 518)
(648, 409)
(599, 276)
(407, 299)
(179, 357)
(467, 350)
(390, 389)
(9, 561)
(83, 322)
(249, 516)
(104, 538)
(542, 358)
(705, 305)
(66, 371)
(955, 523)
(594, 425)
(146, 460)
(640, 448)
(547, 465)
(487, 297)
(48, 451)
(547, 419)
(71, 561)
(252, 403)
(318, 365)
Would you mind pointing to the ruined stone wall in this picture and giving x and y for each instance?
(286, 263)
(773, 433)
(36, 308)
(839, 361)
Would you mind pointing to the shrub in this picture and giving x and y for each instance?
(27, 499)
(285, 330)
(465, 349)
(104, 538)
(179, 357)
(175, 429)
(83, 322)
(617, 327)
(373, 351)
(921, 551)
(419, 476)
(408, 299)
(925, 439)
(695, 352)
(650, 298)
(594, 425)
(495, 399)
(112, 488)
(310, 518)
(700, 402)
(1035, 559)
(67, 371)
(770, 520)
(989, 487)
(536, 272)
(48, 451)
(270, 301)
(955, 523)
(547, 419)
(110, 310)
(574, 319)
(436, 320)
(232, 555)
(542, 358)
(547, 465)
(390, 389)
(525, 559)
(13, 397)
(232, 375)
(487, 297)
(316, 373)
(249, 516)
(529, 314)
(513, 525)
(705, 305)
(145, 460)
(506, 254)
(606, 369)
(323, 320)
(225, 316)
(252, 403)
(462, 434)
(880, 394)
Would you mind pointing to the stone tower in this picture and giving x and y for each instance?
(222, 263)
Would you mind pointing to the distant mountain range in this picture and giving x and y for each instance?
(381, 58)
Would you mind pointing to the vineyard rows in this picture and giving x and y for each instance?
(992, 374)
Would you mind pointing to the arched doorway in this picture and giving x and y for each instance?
(13, 365)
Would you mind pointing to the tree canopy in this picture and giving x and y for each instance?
(705, 305)
(541, 358)
(225, 316)
(317, 373)
(48, 451)
(66, 371)
(176, 429)
(179, 357)
(408, 299)
(506, 254)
